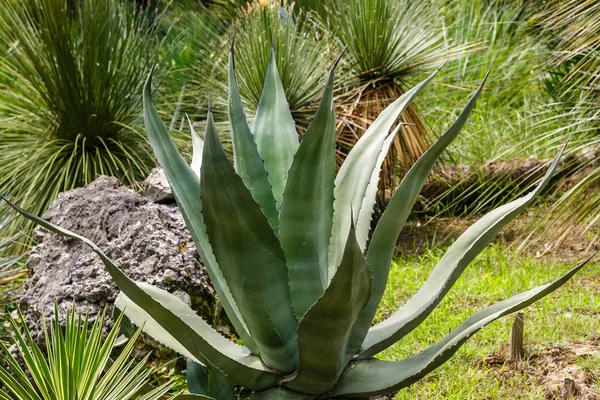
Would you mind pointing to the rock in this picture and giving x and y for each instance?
(149, 241)
(157, 188)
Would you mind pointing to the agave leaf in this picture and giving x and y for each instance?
(447, 272)
(247, 161)
(381, 248)
(363, 224)
(250, 256)
(236, 361)
(281, 393)
(356, 173)
(307, 207)
(373, 377)
(192, 396)
(275, 131)
(208, 381)
(186, 189)
(196, 376)
(324, 331)
(137, 315)
(197, 147)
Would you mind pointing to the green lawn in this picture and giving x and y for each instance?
(569, 316)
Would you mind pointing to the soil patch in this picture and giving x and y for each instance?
(560, 371)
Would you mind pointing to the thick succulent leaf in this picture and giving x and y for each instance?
(356, 173)
(324, 331)
(307, 207)
(381, 248)
(275, 131)
(136, 314)
(246, 158)
(186, 189)
(447, 272)
(196, 376)
(207, 380)
(249, 255)
(282, 393)
(192, 396)
(181, 322)
(374, 377)
(363, 225)
(197, 147)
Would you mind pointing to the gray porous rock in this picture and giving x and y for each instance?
(149, 241)
(156, 187)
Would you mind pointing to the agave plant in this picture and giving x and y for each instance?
(287, 245)
(78, 365)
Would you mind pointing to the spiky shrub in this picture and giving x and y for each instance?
(257, 28)
(285, 243)
(69, 82)
(78, 365)
(388, 42)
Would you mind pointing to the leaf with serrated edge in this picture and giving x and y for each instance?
(186, 189)
(246, 159)
(357, 171)
(324, 330)
(275, 131)
(374, 377)
(381, 248)
(307, 207)
(363, 225)
(446, 272)
(249, 255)
(242, 367)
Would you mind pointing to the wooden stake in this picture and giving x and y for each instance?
(516, 339)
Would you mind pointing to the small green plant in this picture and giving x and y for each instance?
(288, 247)
(78, 365)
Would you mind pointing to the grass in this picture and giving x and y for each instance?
(566, 317)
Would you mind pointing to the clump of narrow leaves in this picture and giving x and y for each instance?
(288, 247)
(78, 364)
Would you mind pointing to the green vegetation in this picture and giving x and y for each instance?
(78, 364)
(71, 94)
(284, 241)
(70, 78)
(480, 369)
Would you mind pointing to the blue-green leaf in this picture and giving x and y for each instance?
(186, 189)
(193, 334)
(282, 393)
(381, 248)
(447, 272)
(246, 159)
(307, 207)
(356, 173)
(373, 377)
(249, 255)
(275, 131)
(324, 331)
(196, 376)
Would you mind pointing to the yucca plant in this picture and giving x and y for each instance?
(290, 257)
(388, 42)
(78, 364)
(572, 30)
(69, 96)
(256, 29)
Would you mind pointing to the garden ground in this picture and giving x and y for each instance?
(562, 331)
